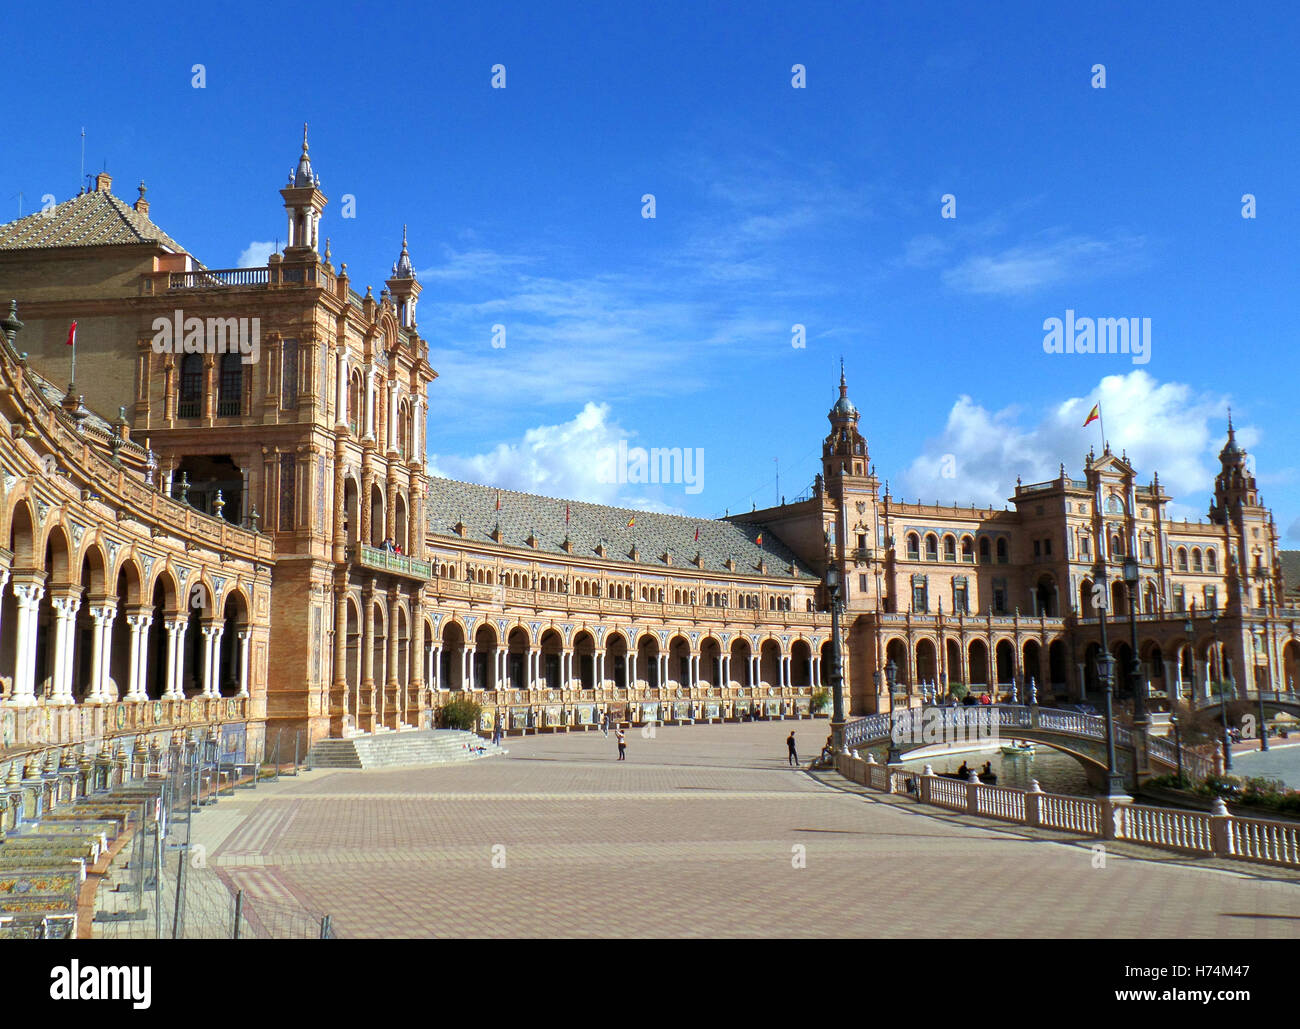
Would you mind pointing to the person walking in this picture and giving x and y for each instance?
(789, 745)
(604, 724)
(622, 744)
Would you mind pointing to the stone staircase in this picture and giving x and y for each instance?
(397, 749)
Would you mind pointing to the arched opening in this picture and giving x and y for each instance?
(769, 663)
(1086, 609)
(452, 657)
(978, 663)
(647, 660)
(352, 662)
(1005, 658)
(552, 647)
(399, 521)
(351, 512)
(927, 662)
(896, 652)
(1058, 666)
(517, 656)
(742, 671)
(952, 658)
(1032, 655)
(679, 662)
(1118, 599)
(164, 606)
(616, 660)
(378, 527)
(1045, 594)
(800, 664)
(485, 652)
(584, 660)
(231, 677)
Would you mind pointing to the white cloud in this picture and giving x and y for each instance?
(1028, 267)
(554, 461)
(255, 255)
(1168, 428)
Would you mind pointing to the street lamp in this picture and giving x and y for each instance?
(1135, 665)
(1105, 670)
(1259, 689)
(837, 656)
(1223, 699)
(891, 677)
(1178, 746)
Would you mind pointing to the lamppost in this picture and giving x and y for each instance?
(1135, 665)
(891, 678)
(1178, 746)
(837, 656)
(1105, 669)
(1258, 633)
(1223, 699)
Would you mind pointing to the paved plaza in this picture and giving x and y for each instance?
(700, 832)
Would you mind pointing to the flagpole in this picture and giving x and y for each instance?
(1101, 417)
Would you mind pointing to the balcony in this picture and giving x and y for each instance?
(393, 564)
(219, 278)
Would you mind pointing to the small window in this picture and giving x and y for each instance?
(1047, 547)
(862, 584)
(289, 374)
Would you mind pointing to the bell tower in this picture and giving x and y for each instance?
(1234, 486)
(844, 451)
(304, 203)
(404, 288)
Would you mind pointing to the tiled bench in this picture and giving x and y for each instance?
(88, 847)
(22, 860)
(101, 831)
(39, 892)
(51, 927)
(113, 822)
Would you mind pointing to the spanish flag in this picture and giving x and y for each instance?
(759, 541)
(1093, 415)
(697, 535)
(498, 501)
(631, 522)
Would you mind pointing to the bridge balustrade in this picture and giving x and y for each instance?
(1268, 842)
(1073, 814)
(1165, 827)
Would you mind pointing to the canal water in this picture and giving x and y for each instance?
(1278, 762)
(1055, 772)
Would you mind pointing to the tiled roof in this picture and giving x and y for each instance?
(89, 220)
(524, 513)
(1290, 562)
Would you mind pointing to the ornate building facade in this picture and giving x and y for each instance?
(270, 449)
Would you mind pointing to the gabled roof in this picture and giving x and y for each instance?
(94, 219)
(1290, 562)
(589, 524)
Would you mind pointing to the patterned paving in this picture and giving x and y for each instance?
(704, 831)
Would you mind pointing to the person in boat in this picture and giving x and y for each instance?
(987, 769)
(963, 771)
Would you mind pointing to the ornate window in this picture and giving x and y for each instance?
(288, 491)
(289, 374)
(190, 401)
(230, 387)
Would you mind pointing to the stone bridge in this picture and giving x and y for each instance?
(1274, 700)
(1081, 736)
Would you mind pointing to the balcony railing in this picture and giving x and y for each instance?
(219, 278)
(383, 561)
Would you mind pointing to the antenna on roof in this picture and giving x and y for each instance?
(83, 159)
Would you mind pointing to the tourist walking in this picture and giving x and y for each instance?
(604, 724)
(622, 744)
(789, 745)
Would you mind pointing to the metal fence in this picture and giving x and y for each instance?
(162, 885)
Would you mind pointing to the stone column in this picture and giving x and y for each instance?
(139, 621)
(366, 693)
(175, 628)
(631, 670)
(435, 672)
(27, 594)
(392, 713)
(65, 624)
(206, 688)
(103, 616)
(245, 638)
(4, 581)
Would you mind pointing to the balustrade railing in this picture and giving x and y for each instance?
(219, 278)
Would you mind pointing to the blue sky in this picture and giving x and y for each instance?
(775, 206)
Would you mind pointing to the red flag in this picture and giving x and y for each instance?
(498, 501)
(566, 514)
(72, 335)
(759, 541)
(697, 534)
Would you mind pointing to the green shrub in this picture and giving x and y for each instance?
(958, 690)
(460, 713)
(821, 700)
